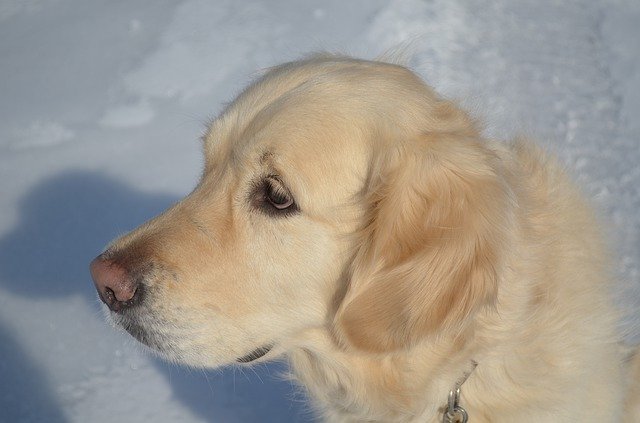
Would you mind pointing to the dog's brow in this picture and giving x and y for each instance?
(266, 161)
(266, 157)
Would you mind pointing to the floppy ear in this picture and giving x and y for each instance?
(429, 255)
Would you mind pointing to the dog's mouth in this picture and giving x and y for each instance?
(255, 354)
(142, 334)
(143, 327)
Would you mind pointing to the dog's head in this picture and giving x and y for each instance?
(338, 194)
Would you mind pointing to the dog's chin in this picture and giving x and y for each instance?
(168, 348)
(156, 342)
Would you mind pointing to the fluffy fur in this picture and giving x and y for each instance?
(414, 246)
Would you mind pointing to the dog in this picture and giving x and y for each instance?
(354, 221)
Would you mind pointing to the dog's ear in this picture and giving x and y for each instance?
(429, 254)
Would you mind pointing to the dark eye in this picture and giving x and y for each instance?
(277, 196)
(273, 198)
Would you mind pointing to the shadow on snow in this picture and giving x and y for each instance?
(65, 222)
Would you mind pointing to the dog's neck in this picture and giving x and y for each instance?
(398, 386)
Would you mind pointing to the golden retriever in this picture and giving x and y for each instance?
(411, 270)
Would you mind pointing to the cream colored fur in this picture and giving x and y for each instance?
(417, 247)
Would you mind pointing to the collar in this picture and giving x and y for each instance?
(454, 413)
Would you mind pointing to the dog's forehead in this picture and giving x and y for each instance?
(321, 122)
(305, 133)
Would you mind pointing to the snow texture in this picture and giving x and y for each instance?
(101, 107)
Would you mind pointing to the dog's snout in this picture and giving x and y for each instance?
(116, 288)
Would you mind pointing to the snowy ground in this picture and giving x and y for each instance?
(101, 106)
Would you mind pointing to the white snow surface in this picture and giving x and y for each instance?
(101, 107)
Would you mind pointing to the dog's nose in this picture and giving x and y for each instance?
(115, 286)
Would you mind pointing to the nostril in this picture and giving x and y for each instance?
(109, 296)
(116, 288)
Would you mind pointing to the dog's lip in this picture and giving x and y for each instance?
(255, 354)
(140, 333)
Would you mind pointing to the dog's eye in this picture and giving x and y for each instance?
(275, 199)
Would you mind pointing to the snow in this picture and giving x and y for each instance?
(41, 134)
(101, 107)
